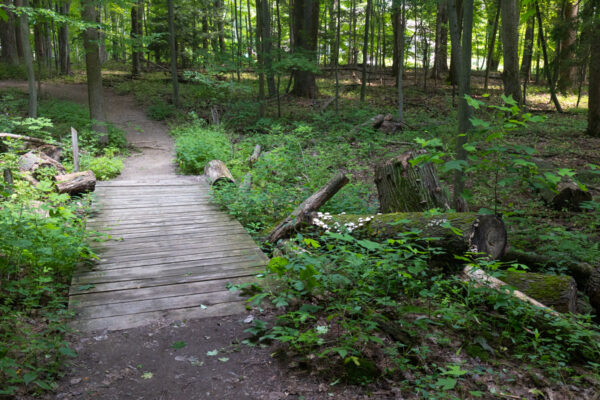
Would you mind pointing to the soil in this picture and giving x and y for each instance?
(172, 360)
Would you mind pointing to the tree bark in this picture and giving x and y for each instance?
(528, 48)
(593, 128)
(28, 58)
(490, 55)
(440, 62)
(305, 31)
(63, 41)
(510, 48)
(136, 37)
(173, 51)
(76, 183)
(93, 68)
(363, 86)
(556, 291)
(8, 38)
(402, 187)
(568, 65)
(455, 233)
(33, 161)
(546, 62)
(266, 45)
(302, 214)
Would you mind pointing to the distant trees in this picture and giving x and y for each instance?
(8, 38)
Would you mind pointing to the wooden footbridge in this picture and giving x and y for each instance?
(170, 255)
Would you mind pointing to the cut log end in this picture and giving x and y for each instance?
(216, 172)
(489, 236)
(76, 183)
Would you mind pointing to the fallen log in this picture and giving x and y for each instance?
(568, 195)
(217, 172)
(556, 291)
(481, 277)
(33, 162)
(402, 187)
(455, 233)
(302, 213)
(255, 154)
(76, 183)
(23, 138)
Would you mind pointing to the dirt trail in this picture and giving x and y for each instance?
(151, 138)
(196, 359)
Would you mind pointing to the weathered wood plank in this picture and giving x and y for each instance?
(137, 320)
(116, 242)
(139, 224)
(193, 275)
(163, 229)
(200, 230)
(77, 301)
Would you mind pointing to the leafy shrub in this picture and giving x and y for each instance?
(8, 71)
(195, 145)
(160, 111)
(105, 167)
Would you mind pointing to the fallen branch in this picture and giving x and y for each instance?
(23, 138)
(301, 214)
(255, 154)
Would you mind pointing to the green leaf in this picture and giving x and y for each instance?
(223, 359)
(178, 345)
(147, 375)
(67, 351)
(454, 165)
(3, 15)
(29, 377)
(212, 353)
(312, 243)
(446, 383)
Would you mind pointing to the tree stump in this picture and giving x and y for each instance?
(216, 172)
(76, 183)
(455, 233)
(405, 188)
(568, 195)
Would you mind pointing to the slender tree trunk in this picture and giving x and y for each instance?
(337, 56)
(249, 31)
(363, 86)
(463, 68)
(8, 38)
(173, 53)
(399, 8)
(510, 48)
(266, 44)
(220, 25)
(260, 44)
(306, 26)
(136, 37)
(568, 65)
(546, 63)
(440, 61)
(528, 48)
(64, 49)
(593, 128)
(28, 58)
(93, 68)
(398, 29)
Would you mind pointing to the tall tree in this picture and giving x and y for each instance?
(305, 30)
(136, 38)
(567, 64)
(266, 43)
(93, 68)
(440, 62)
(28, 58)
(542, 39)
(363, 86)
(593, 127)
(64, 49)
(8, 38)
(510, 49)
(173, 48)
(528, 47)
(490, 55)
(462, 61)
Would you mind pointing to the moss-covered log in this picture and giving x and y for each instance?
(556, 291)
(456, 233)
(403, 187)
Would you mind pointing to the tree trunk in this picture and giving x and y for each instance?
(510, 48)
(402, 187)
(28, 58)
(8, 38)
(76, 183)
(136, 39)
(305, 31)
(216, 172)
(455, 233)
(528, 48)
(546, 62)
(93, 68)
(302, 214)
(63, 41)
(568, 64)
(440, 62)
(173, 50)
(490, 55)
(363, 86)
(593, 128)
(266, 42)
